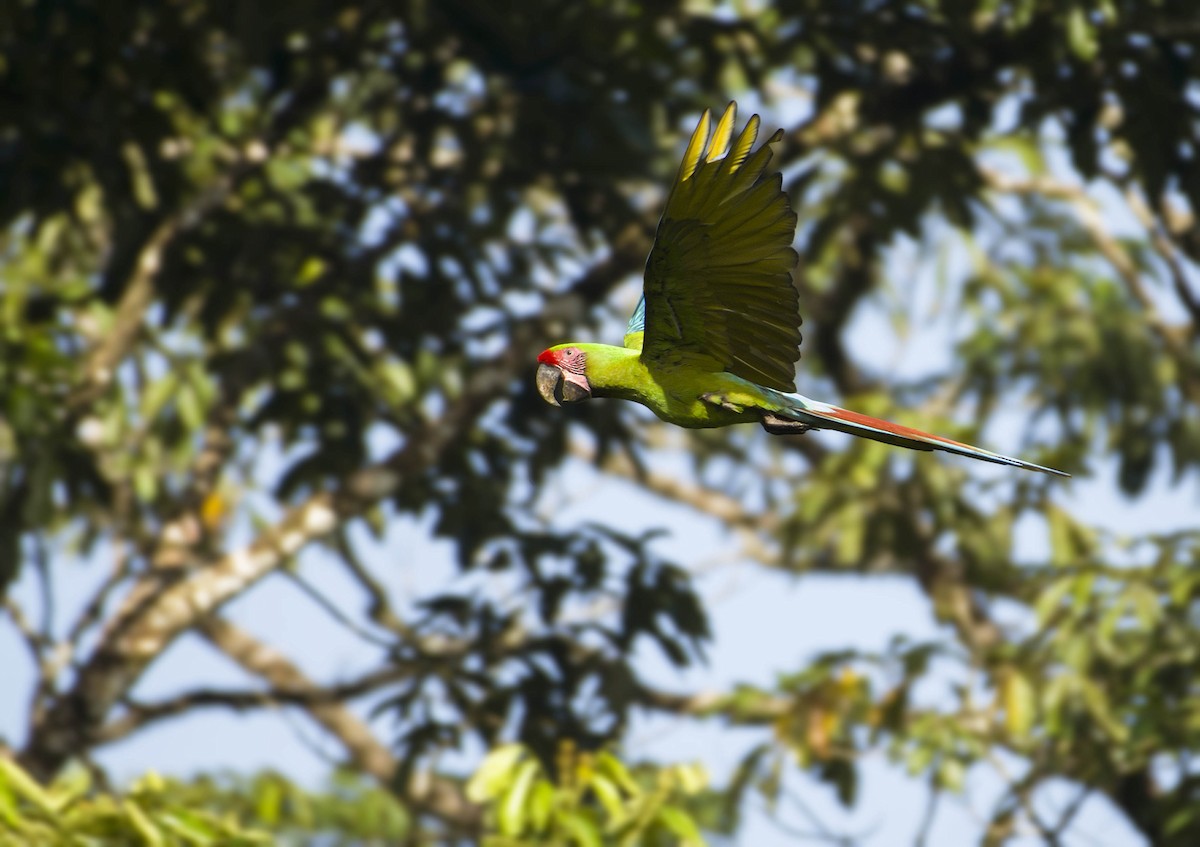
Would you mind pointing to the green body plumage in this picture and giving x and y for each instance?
(671, 391)
(714, 338)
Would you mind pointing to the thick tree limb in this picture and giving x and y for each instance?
(154, 615)
(325, 703)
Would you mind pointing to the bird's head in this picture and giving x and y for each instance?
(562, 375)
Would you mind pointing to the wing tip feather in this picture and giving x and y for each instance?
(695, 148)
(719, 145)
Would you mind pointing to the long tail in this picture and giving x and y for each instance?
(818, 415)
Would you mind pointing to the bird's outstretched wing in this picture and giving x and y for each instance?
(718, 287)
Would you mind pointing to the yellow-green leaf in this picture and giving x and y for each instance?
(614, 769)
(1019, 704)
(1100, 709)
(1050, 599)
(512, 813)
(493, 775)
(541, 805)
(693, 778)
(269, 802)
(609, 795)
(680, 823)
(580, 829)
(24, 786)
(1081, 35)
(1060, 536)
(145, 827)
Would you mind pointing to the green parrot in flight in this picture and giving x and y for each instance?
(713, 340)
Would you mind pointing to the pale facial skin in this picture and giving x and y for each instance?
(562, 376)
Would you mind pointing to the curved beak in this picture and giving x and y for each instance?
(557, 388)
(549, 382)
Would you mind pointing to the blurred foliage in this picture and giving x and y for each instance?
(255, 257)
(573, 679)
(594, 800)
(261, 810)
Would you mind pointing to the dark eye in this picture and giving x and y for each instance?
(570, 351)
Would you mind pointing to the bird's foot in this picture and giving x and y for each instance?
(783, 426)
(717, 399)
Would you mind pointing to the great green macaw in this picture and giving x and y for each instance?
(714, 338)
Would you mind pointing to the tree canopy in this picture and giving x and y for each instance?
(274, 278)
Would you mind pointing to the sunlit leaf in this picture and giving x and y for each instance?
(512, 811)
(495, 774)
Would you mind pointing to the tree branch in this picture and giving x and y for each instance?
(1168, 253)
(138, 715)
(99, 369)
(158, 610)
(92, 613)
(331, 609)
(941, 581)
(29, 634)
(380, 606)
(1089, 218)
(430, 793)
(286, 680)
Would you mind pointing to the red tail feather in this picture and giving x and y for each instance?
(825, 416)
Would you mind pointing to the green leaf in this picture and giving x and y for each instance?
(950, 774)
(1082, 593)
(72, 784)
(1061, 549)
(680, 823)
(310, 271)
(541, 806)
(693, 778)
(612, 767)
(191, 827)
(156, 395)
(269, 802)
(579, 828)
(919, 759)
(1081, 35)
(24, 787)
(398, 380)
(187, 401)
(850, 534)
(1019, 703)
(1051, 598)
(1181, 819)
(142, 824)
(609, 795)
(1145, 603)
(493, 776)
(1098, 705)
(8, 806)
(512, 812)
